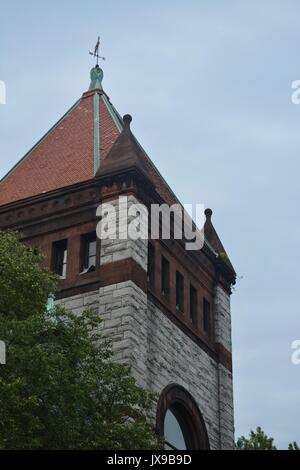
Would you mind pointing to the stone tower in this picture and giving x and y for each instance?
(166, 309)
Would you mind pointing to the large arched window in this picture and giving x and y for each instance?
(180, 421)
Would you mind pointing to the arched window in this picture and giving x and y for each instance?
(180, 421)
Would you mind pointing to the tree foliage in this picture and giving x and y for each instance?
(293, 446)
(60, 389)
(258, 440)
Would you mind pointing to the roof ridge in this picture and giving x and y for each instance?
(113, 112)
(156, 170)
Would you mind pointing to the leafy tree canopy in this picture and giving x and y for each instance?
(258, 440)
(60, 388)
(293, 446)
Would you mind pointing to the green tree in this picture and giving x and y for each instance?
(257, 440)
(59, 388)
(293, 446)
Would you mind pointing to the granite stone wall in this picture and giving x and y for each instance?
(223, 336)
(157, 350)
(159, 353)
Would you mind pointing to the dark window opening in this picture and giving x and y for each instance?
(206, 317)
(151, 264)
(165, 276)
(179, 292)
(60, 258)
(89, 253)
(193, 305)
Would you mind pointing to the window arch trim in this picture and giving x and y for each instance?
(181, 403)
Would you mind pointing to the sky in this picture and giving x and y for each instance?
(208, 84)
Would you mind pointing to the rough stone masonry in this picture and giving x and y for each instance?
(157, 350)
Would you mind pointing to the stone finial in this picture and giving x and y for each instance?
(127, 120)
(208, 213)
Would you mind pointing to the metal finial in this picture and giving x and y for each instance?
(96, 51)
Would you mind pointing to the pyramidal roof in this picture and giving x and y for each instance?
(72, 149)
(126, 152)
(90, 140)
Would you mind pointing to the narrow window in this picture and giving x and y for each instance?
(179, 292)
(89, 252)
(165, 276)
(193, 305)
(206, 317)
(60, 258)
(151, 264)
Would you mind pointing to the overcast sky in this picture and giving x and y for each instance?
(208, 84)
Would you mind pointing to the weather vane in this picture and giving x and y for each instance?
(96, 51)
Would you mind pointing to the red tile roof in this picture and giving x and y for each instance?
(65, 155)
